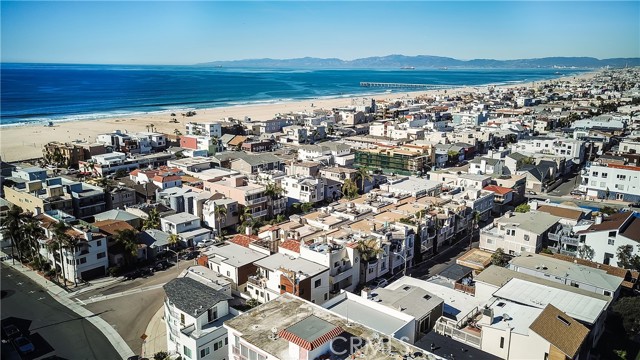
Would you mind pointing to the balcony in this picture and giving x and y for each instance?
(259, 213)
(256, 200)
(257, 281)
(342, 273)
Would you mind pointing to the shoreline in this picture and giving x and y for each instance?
(25, 141)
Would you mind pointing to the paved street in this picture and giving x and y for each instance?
(441, 261)
(567, 186)
(53, 328)
(578, 201)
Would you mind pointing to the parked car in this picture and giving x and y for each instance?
(11, 331)
(576, 192)
(23, 345)
(378, 283)
(132, 275)
(162, 265)
(634, 205)
(191, 255)
(205, 243)
(147, 271)
(531, 192)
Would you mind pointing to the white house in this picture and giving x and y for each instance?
(611, 181)
(194, 313)
(518, 233)
(187, 226)
(209, 129)
(607, 234)
(303, 189)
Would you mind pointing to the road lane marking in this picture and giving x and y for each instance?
(81, 302)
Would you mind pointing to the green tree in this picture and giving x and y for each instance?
(220, 213)
(369, 249)
(61, 239)
(523, 208)
(608, 210)
(152, 221)
(453, 156)
(251, 303)
(161, 355)
(11, 229)
(32, 232)
(625, 256)
(129, 241)
(306, 207)
(350, 189)
(586, 252)
(362, 176)
(274, 192)
(499, 258)
(529, 160)
(627, 309)
(173, 240)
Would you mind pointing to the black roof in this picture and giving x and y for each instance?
(456, 272)
(193, 297)
(446, 347)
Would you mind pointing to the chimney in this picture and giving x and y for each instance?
(507, 215)
(534, 205)
(37, 211)
(599, 219)
(487, 317)
(248, 230)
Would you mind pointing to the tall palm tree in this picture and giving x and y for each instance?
(369, 249)
(32, 232)
(474, 224)
(152, 221)
(246, 217)
(61, 238)
(219, 212)
(129, 241)
(11, 229)
(273, 191)
(363, 175)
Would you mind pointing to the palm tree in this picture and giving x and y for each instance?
(60, 239)
(350, 189)
(129, 241)
(369, 249)
(273, 191)
(363, 175)
(11, 229)
(246, 217)
(152, 221)
(452, 155)
(220, 213)
(474, 224)
(32, 232)
(173, 240)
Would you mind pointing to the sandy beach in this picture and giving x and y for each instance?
(26, 142)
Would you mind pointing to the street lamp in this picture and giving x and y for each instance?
(403, 256)
(177, 258)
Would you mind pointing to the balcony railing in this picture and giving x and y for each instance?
(256, 200)
(255, 280)
(259, 213)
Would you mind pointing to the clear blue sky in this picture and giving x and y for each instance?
(158, 32)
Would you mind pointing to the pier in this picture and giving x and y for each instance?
(403, 85)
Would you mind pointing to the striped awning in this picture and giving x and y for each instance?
(310, 345)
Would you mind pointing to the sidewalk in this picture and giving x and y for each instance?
(64, 298)
(156, 335)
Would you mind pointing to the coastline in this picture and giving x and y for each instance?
(25, 141)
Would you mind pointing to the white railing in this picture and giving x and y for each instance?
(257, 200)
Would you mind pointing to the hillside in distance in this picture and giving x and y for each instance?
(426, 62)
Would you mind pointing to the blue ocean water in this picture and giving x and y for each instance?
(44, 92)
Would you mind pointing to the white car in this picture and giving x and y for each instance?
(380, 283)
(205, 243)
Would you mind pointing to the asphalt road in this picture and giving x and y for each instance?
(53, 328)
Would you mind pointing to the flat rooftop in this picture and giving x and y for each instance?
(579, 307)
(287, 310)
(278, 260)
(368, 316)
(233, 254)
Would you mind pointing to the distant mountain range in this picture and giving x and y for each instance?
(426, 62)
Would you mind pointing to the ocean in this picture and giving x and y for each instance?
(32, 93)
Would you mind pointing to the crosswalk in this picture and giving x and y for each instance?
(98, 298)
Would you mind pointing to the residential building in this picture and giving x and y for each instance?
(303, 189)
(344, 270)
(156, 141)
(210, 219)
(280, 273)
(194, 314)
(483, 165)
(30, 173)
(39, 196)
(209, 129)
(199, 142)
(120, 215)
(258, 146)
(235, 262)
(502, 198)
(413, 186)
(611, 181)
(247, 194)
(519, 232)
(314, 332)
(395, 160)
(607, 234)
(86, 260)
(187, 226)
(120, 197)
(294, 134)
(254, 163)
(568, 273)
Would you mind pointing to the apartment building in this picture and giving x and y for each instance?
(247, 194)
(294, 134)
(518, 233)
(611, 181)
(234, 262)
(340, 259)
(278, 274)
(209, 129)
(412, 186)
(86, 260)
(216, 222)
(194, 314)
(303, 189)
(254, 163)
(394, 160)
(39, 196)
(570, 149)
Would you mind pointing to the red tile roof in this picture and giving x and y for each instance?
(243, 240)
(292, 245)
(498, 189)
(310, 345)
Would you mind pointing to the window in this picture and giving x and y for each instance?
(204, 352)
(318, 283)
(326, 296)
(83, 260)
(186, 351)
(226, 341)
(622, 177)
(370, 270)
(595, 173)
(217, 345)
(101, 255)
(611, 241)
(526, 238)
(607, 293)
(228, 273)
(99, 243)
(501, 342)
(182, 319)
(212, 314)
(612, 233)
(604, 175)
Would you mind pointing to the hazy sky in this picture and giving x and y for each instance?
(159, 32)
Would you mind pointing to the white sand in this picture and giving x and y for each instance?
(26, 142)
